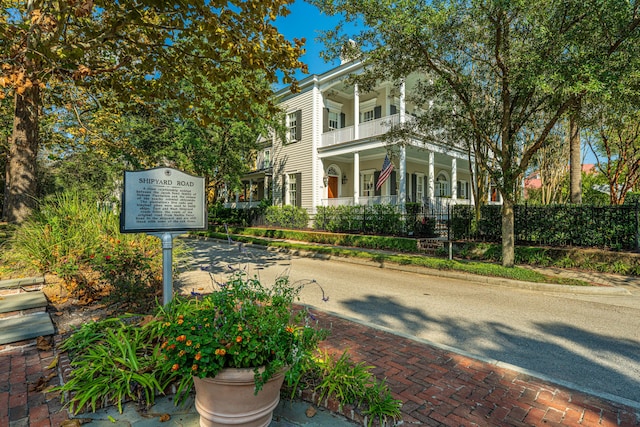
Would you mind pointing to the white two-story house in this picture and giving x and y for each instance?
(335, 149)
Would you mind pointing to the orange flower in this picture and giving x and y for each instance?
(289, 329)
(221, 352)
(194, 368)
(239, 328)
(182, 353)
(189, 342)
(164, 344)
(181, 338)
(180, 321)
(175, 367)
(198, 356)
(238, 338)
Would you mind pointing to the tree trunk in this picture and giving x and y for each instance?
(508, 231)
(575, 161)
(21, 183)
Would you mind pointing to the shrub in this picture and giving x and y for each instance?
(287, 216)
(72, 237)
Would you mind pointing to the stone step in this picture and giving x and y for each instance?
(21, 328)
(16, 283)
(22, 301)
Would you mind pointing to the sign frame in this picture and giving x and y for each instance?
(156, 195)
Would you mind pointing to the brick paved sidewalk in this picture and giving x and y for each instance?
(438, 388)
(24, 383)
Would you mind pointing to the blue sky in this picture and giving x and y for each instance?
(306, 21)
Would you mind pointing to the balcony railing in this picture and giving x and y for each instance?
(365, 130)
(438, 203)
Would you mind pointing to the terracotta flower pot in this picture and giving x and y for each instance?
(229, 399)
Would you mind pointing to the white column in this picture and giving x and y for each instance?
(431, 179)
(454, 178)
(317, 171)
(250, 192)
(356, 178)
(403, 177)
(356, 112)
(403, 106)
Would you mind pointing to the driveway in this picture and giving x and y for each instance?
(589, 341)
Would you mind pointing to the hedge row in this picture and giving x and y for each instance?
(614, 227)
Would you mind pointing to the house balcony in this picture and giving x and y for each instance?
(368, 129)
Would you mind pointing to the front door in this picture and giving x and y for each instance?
(333, 187)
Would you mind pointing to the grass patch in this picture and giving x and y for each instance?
(472, 267)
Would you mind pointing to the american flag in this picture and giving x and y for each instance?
(387, 167)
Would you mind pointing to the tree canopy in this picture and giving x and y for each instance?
(509, 69)
(139, 51)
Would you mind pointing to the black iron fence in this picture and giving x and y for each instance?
(612, 227)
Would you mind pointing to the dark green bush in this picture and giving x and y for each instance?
(286, 216)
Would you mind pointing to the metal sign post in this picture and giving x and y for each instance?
(167, 264)
(165, 203)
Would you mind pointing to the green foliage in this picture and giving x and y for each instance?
(114, 360)
(132, 271)
(352, 383)
(72, 237)
(554, 225)
(287, 216)
(242, 324)
(375, 219)
(62, 235)
(218, 214)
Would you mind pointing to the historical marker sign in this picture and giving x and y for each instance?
(162, 199)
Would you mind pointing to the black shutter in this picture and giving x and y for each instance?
(298, 125)
(393, 183)
(343, 119)
(414, 184)
(325, 120)
(394, 109)
(284, 190)
(376, 175)
(377, 112)
(298, 190)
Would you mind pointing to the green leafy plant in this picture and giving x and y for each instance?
(242, 324)
(114, 360)
(380, 404)
(132, 269)
(353, 383)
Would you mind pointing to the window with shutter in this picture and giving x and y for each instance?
(293, 189)
(294, 124)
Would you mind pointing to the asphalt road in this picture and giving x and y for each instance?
(592, 342)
